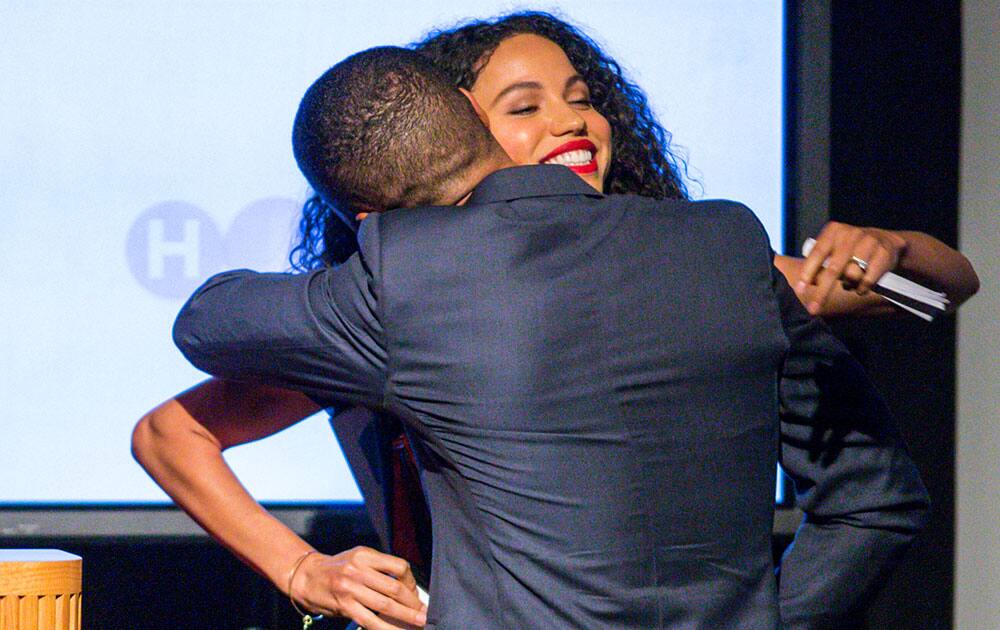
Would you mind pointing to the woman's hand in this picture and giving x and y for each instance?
(361, 584)
(180, 444)
(841, 247)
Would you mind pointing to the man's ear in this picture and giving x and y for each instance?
(476, 106)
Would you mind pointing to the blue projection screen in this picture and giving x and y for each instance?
(146, 146)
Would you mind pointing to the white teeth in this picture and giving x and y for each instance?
(580, 157)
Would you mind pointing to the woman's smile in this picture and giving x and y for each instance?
(578, 155)
(539, 108)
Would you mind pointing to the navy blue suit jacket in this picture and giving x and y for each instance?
(592, 384)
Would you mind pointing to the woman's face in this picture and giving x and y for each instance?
(539, 108)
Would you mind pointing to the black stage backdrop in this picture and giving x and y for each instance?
(894, 137)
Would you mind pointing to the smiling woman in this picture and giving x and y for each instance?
(493, 55)
(540, 108)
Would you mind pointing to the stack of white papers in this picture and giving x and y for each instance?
(906, 294)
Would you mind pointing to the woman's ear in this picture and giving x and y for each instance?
(475, 105)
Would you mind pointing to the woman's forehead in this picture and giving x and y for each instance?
(523, 57)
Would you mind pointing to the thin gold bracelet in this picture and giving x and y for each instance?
(307, 619)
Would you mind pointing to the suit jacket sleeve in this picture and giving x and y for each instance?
(863, 499)
(318, 333)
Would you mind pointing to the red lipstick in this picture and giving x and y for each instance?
(585, 168)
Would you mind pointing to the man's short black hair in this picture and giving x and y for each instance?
(384, 129)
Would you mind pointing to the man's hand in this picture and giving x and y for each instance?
(841, 246)
(361, 584)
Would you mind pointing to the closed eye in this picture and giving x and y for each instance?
(523, 111)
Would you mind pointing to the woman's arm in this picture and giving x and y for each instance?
(842, 288)
(180, 445)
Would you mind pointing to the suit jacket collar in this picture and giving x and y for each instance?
(520, 182)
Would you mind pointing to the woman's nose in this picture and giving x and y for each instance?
(566, 120)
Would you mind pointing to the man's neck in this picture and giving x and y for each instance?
(463, 186)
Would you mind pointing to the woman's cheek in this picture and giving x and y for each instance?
(518, 142)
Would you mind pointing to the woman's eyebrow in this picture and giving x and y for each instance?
(535, 85)
(520, 85)
(575, 81)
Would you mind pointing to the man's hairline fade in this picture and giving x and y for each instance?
(407, 132)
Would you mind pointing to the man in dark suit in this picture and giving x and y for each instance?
(591, 382)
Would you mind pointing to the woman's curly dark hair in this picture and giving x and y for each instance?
(642, 162)
(327, 236)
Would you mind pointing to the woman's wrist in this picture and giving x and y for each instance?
(898, 241)
(298, 604)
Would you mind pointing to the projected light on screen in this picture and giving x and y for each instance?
(146, 147)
